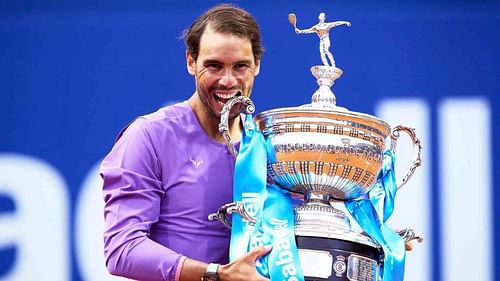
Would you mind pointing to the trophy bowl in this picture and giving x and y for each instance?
(325, 151)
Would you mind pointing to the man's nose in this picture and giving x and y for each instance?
(228, 79)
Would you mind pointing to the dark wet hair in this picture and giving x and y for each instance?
(227, 19)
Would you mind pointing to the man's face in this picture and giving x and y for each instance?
(225, 68)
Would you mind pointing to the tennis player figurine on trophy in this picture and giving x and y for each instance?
(327, 155)
(322, 29)
(327, 73)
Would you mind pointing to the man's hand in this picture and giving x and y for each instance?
(408, 236)
(409, 246)
(243, 268)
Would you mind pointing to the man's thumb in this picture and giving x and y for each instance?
(260, 251)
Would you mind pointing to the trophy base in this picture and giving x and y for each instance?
(338, 260)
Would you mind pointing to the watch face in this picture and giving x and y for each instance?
(211, 273)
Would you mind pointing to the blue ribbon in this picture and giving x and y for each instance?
(276, 227)
(271, 206)
(371, 213)
(249, 185)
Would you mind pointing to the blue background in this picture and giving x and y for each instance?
(72, 73)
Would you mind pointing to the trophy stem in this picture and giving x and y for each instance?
(312, 198)
(317, 210)
(322, 200)
(325, 77)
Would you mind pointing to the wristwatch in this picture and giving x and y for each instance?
(211, 273)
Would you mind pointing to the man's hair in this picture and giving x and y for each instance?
(226, 19)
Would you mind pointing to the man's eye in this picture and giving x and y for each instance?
(214, 66)
(241, 66)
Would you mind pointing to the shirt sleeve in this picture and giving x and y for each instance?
(132, 191)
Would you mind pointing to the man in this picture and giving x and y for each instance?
(168, 170)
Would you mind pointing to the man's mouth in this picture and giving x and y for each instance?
(223, 96)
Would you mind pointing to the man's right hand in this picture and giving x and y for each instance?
(243, 268)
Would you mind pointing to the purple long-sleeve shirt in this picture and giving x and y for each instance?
(162, 178)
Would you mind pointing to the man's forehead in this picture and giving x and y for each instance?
(215, 40)
(210, 31)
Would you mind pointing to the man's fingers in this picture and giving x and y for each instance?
(259, 252)
(409, 246)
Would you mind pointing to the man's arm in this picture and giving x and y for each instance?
(133, 192)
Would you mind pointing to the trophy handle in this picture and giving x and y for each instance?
(409, 234)
(416, 143)
(223, 212)
(248, 108)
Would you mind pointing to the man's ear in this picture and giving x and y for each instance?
(190, 63)
(257, 68)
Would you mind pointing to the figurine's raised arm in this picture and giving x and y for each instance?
(337, 23)
(305, 31)
(292, 18)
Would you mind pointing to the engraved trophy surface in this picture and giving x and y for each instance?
(328, 154)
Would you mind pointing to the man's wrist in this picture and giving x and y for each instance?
(211, 273)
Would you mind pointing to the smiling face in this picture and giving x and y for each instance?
(225, 67)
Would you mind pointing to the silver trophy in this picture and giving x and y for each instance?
(326, 154)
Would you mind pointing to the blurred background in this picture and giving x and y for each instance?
(73, 73)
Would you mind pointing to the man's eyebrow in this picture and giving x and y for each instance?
(211, 61)
(244, 62)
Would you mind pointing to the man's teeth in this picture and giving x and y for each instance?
(226, 96)
(222, 98)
